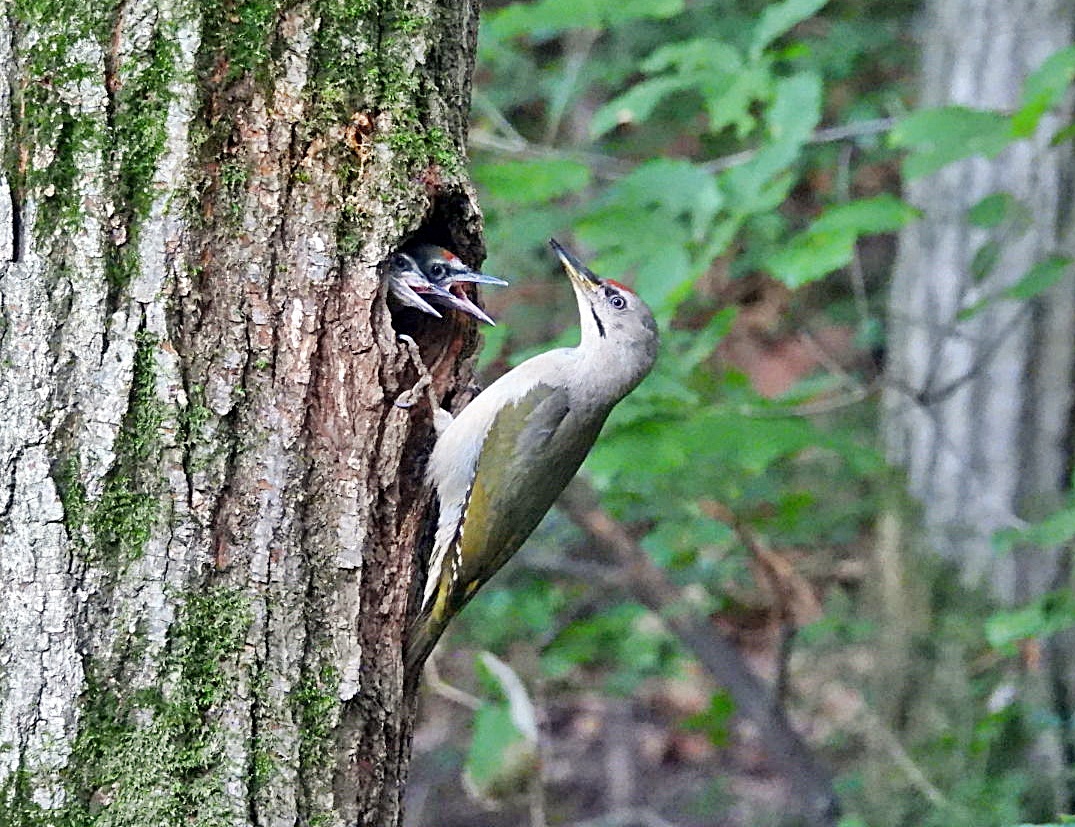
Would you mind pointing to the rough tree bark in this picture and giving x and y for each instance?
(209, 498)
(978, 411)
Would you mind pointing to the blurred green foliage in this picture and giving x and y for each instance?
(687, 148)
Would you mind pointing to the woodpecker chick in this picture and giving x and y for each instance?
(410, 287)
(445, 270)
(503, 461)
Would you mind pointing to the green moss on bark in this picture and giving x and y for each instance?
(72, 495)
(152, 756)
(51, 135)
(138, 130)
(17, 807)
(60, 43)
(316, 707)
(123, 518)
(317, 703)
(238, 37)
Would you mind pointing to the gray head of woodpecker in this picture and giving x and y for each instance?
(614, 320)
(445, 270)
(409, 286)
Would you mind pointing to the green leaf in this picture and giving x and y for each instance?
(1039, 278)
(694, 57)
(620, 635)
(1044, 616)
(779, 18)
(710, 68)
(679, 202)
(985, 260)
(762, 183)
(940, 136)
(532, 181)
(714, 721)
(635, 105)
(1062, 135)
(703, 342)
(1043, 90)
(730, 100)
(660, 279)
(829, 243)
(811, 255)
(672, 185)
(1055, 530)
(992, 210)
(866, 216)
(546, 18)
(796, 108)
(500, 759)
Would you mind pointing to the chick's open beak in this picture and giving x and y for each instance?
(460, 301)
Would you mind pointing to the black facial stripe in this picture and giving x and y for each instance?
(600, 327)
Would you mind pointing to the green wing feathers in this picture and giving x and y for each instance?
(502, 507)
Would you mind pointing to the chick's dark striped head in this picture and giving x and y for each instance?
(446, 270)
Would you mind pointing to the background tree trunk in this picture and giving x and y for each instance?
(209, 498)
(978, 411)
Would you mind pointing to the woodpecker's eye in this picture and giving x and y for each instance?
(399, 261)
(437, 270)
(617, 301)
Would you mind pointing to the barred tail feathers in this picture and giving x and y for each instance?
(441, 579)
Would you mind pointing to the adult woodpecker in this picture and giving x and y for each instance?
(503, 461)
(445, 270)
(408, 285)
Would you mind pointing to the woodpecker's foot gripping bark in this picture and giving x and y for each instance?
(424, 385)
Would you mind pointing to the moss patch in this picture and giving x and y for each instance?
(238, 37)
(72, 495)
(138, 132)
(150, 757)
(342, 66)
(316, 707)
(124, 517)
(54, 138)
(51, 136)
(419, 146)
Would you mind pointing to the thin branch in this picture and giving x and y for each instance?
(612, 168)
(579, 45)
(604, 166)
(536, 796)
(852, 397)
(752, 697)
(854, 270)
(827, 135)
(439, 687)
(927, 396)
(487, 108)
(874, 728)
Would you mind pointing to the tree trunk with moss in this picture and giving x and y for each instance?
(210, 478)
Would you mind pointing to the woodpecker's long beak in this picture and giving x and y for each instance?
(582, 277)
